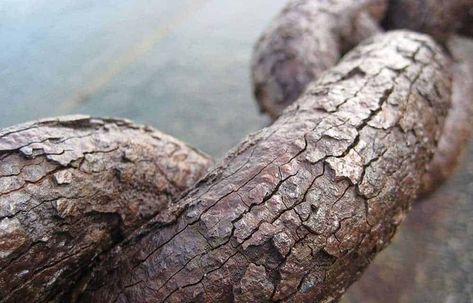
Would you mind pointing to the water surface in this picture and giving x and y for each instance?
(181, 66)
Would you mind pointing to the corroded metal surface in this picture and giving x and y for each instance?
(72, 187)
(439, 18)
(298, 209)
(430, 259)
(305, 39)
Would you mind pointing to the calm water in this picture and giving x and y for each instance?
(181, 66)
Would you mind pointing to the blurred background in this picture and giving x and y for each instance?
(183, 66)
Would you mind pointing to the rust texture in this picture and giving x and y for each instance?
(308, 37)
(297, 210)
(426, 262)
(72, 187)
(438, 18)
(400, 271)
(458, 125)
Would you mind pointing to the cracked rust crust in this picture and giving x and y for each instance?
(438, 18)
(429, 226)
(310, 35)
(304, 40)
(458, 125)
(298, 209)
(72, 187)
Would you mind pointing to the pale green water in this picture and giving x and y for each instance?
(181, 66)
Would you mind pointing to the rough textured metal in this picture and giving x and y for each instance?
(72, 187)
(310, 35)
(439, 18)
(304, 40)
(458, 125)
(299, 209)
(307, 38)
(429, 249)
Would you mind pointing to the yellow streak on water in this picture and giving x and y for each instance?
(124, 61)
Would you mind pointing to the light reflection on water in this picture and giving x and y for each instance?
(182, 66)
